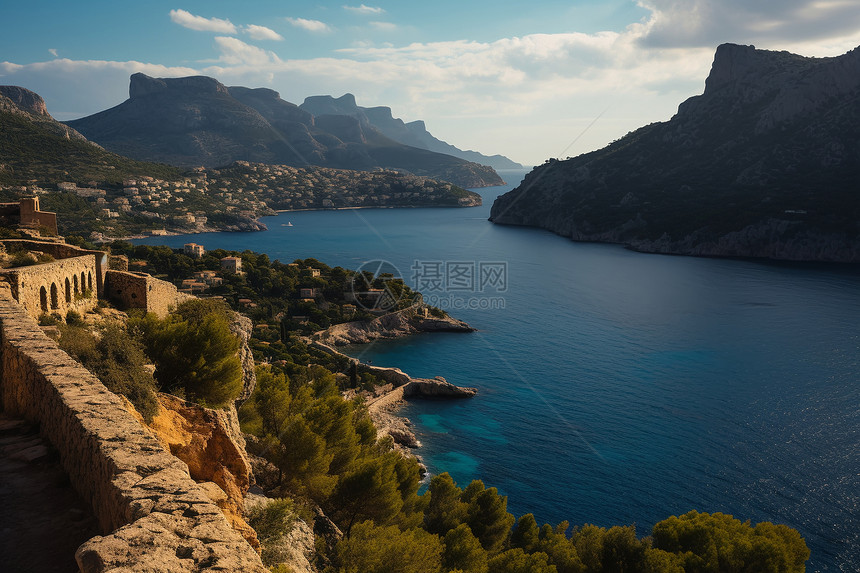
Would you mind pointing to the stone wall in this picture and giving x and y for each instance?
(140, 290)
(57, 286)
(153, 515)
(64, 251)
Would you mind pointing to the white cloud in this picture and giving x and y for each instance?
(362, 9)
(684, 23)
(192, 22)
(527, 97)
(387, 26)
(76, 88)
(235, 52)
(53, 51)
(262, 33)
(309, 25)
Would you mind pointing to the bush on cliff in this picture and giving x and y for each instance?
(117, 359)
(194, 351)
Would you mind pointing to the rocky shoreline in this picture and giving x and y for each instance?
(412, 320)
(384, 401)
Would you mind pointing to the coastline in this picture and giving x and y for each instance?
(384, 402)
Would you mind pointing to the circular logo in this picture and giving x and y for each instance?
(377, 286)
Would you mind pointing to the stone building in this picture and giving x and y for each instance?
(26, 213)
(231, 264)
(193, 250)
(74, 280)
(78, 278)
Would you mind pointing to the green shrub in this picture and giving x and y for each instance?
(272, 521)
(194, 352)
(117, 360)
(46, 319)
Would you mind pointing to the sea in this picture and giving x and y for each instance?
(615, 387)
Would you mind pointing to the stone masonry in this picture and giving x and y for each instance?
(153, 515)
(57, 286)
(74, 281)
(140, 290)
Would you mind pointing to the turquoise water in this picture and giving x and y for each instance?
(618, 387)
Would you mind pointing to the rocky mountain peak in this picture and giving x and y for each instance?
(328, 105)
(25, 100)
(261, 93)
(418, 125)
(142, 85)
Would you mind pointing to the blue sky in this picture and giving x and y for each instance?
(523, 79)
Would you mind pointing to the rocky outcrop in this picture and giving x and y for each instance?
(30, 106)
(763, 164)
(295, 548)
(412, 320)
(436, 388)
(196, 121)
(211, 445)
(241, 326)
(25, 100)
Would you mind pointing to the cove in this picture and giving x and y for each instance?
(618, 387)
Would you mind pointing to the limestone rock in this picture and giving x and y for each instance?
(161, 543)
(206, 441)
(295, 548)
(26, 100)
(412, 320)
(242, 327)
(436, 388)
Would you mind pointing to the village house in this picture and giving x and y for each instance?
(193, 250)
(232, 265)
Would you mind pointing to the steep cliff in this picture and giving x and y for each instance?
(764, 163)
(196, 121)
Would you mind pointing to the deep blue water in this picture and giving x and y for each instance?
(618, 387)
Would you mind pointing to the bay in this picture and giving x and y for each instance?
(617, 387)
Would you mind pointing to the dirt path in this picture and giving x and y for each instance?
(42, 518)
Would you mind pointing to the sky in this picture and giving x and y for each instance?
(529, 80)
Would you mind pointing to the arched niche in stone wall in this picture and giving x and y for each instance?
(43, 299)
(89, 280)
(55, 300)
(68, 291)
(76, 284)
(83, 281)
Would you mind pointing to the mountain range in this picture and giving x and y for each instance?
(413, 133)
(197, 121)
(765, 163)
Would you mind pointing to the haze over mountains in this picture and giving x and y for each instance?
(413, 133)
(765, 163)
(198, 121)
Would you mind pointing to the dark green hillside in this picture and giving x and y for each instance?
(765, 163)
(32, 152)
